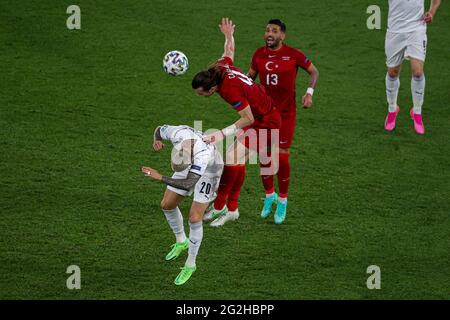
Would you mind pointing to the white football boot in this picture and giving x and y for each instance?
(227, 216)
(209, 212)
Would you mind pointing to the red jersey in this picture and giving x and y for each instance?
(241, 91)
(277, 73)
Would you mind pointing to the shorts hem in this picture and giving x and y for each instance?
(421, 59)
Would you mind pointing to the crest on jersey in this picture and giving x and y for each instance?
(270, 65)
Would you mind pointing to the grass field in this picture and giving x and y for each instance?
(78, 109)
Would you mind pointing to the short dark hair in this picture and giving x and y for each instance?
(279, 23)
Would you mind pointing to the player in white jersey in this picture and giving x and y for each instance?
(198, 167)
(406, 38)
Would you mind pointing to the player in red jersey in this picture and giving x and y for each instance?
(277, 65)
(256, 112)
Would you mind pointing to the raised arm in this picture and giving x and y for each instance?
(227, 28)
(157, 139)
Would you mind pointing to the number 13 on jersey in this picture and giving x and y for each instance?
(272, 79)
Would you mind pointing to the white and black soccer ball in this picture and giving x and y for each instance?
(175, 63)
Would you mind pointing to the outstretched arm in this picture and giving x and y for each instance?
(429, 15)
(245, 120)
(185, 184)
(227, 28)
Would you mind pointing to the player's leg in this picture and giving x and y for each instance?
(418, 92)
(268, 163)
(227, 180)
(230, 185)
(195, 239)
(416, 52)
(395, 46)
(169, 206)
(242, 153)
(235, 191)
(267, 175)
(392, 88)
(284, 172)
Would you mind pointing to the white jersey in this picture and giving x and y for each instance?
(406, 16)
(207, 161)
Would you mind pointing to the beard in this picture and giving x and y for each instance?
(274, 44)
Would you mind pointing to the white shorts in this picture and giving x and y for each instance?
(204, 190)
(400, 46)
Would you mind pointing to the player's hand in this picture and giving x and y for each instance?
(428, 17)
(158, 145)
(307, 101)
(227, 27)
(152, 173)
(213, 137)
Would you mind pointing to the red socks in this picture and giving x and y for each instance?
(227, 182)
(267, 180)
(233, 178)
(284, 174)
(235, 191)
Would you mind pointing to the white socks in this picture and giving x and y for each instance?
(195, 239)
(175, 220)
(392, 86)
(418, 91)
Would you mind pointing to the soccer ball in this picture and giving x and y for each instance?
(175, 63)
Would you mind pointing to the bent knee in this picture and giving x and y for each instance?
(393, 72)
(167, 205)
(417, 74)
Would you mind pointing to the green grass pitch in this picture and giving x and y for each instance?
(78, 109)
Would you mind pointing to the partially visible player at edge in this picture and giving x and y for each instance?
(277, 65)
(256, 112)
(406, 38)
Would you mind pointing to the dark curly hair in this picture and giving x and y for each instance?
(208, 78)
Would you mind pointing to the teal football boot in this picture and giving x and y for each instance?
(267, 209)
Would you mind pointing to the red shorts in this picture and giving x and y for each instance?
(288, 123)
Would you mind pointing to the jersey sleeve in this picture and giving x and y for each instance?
(232, 95)
(225, 61)
(164, 132)
(302, 60)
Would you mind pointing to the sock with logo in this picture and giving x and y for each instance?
(418, 91)
(392, 86)
(227, 182)
(235, 191)
(175, 220)
(195, 239)
(284, 174)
